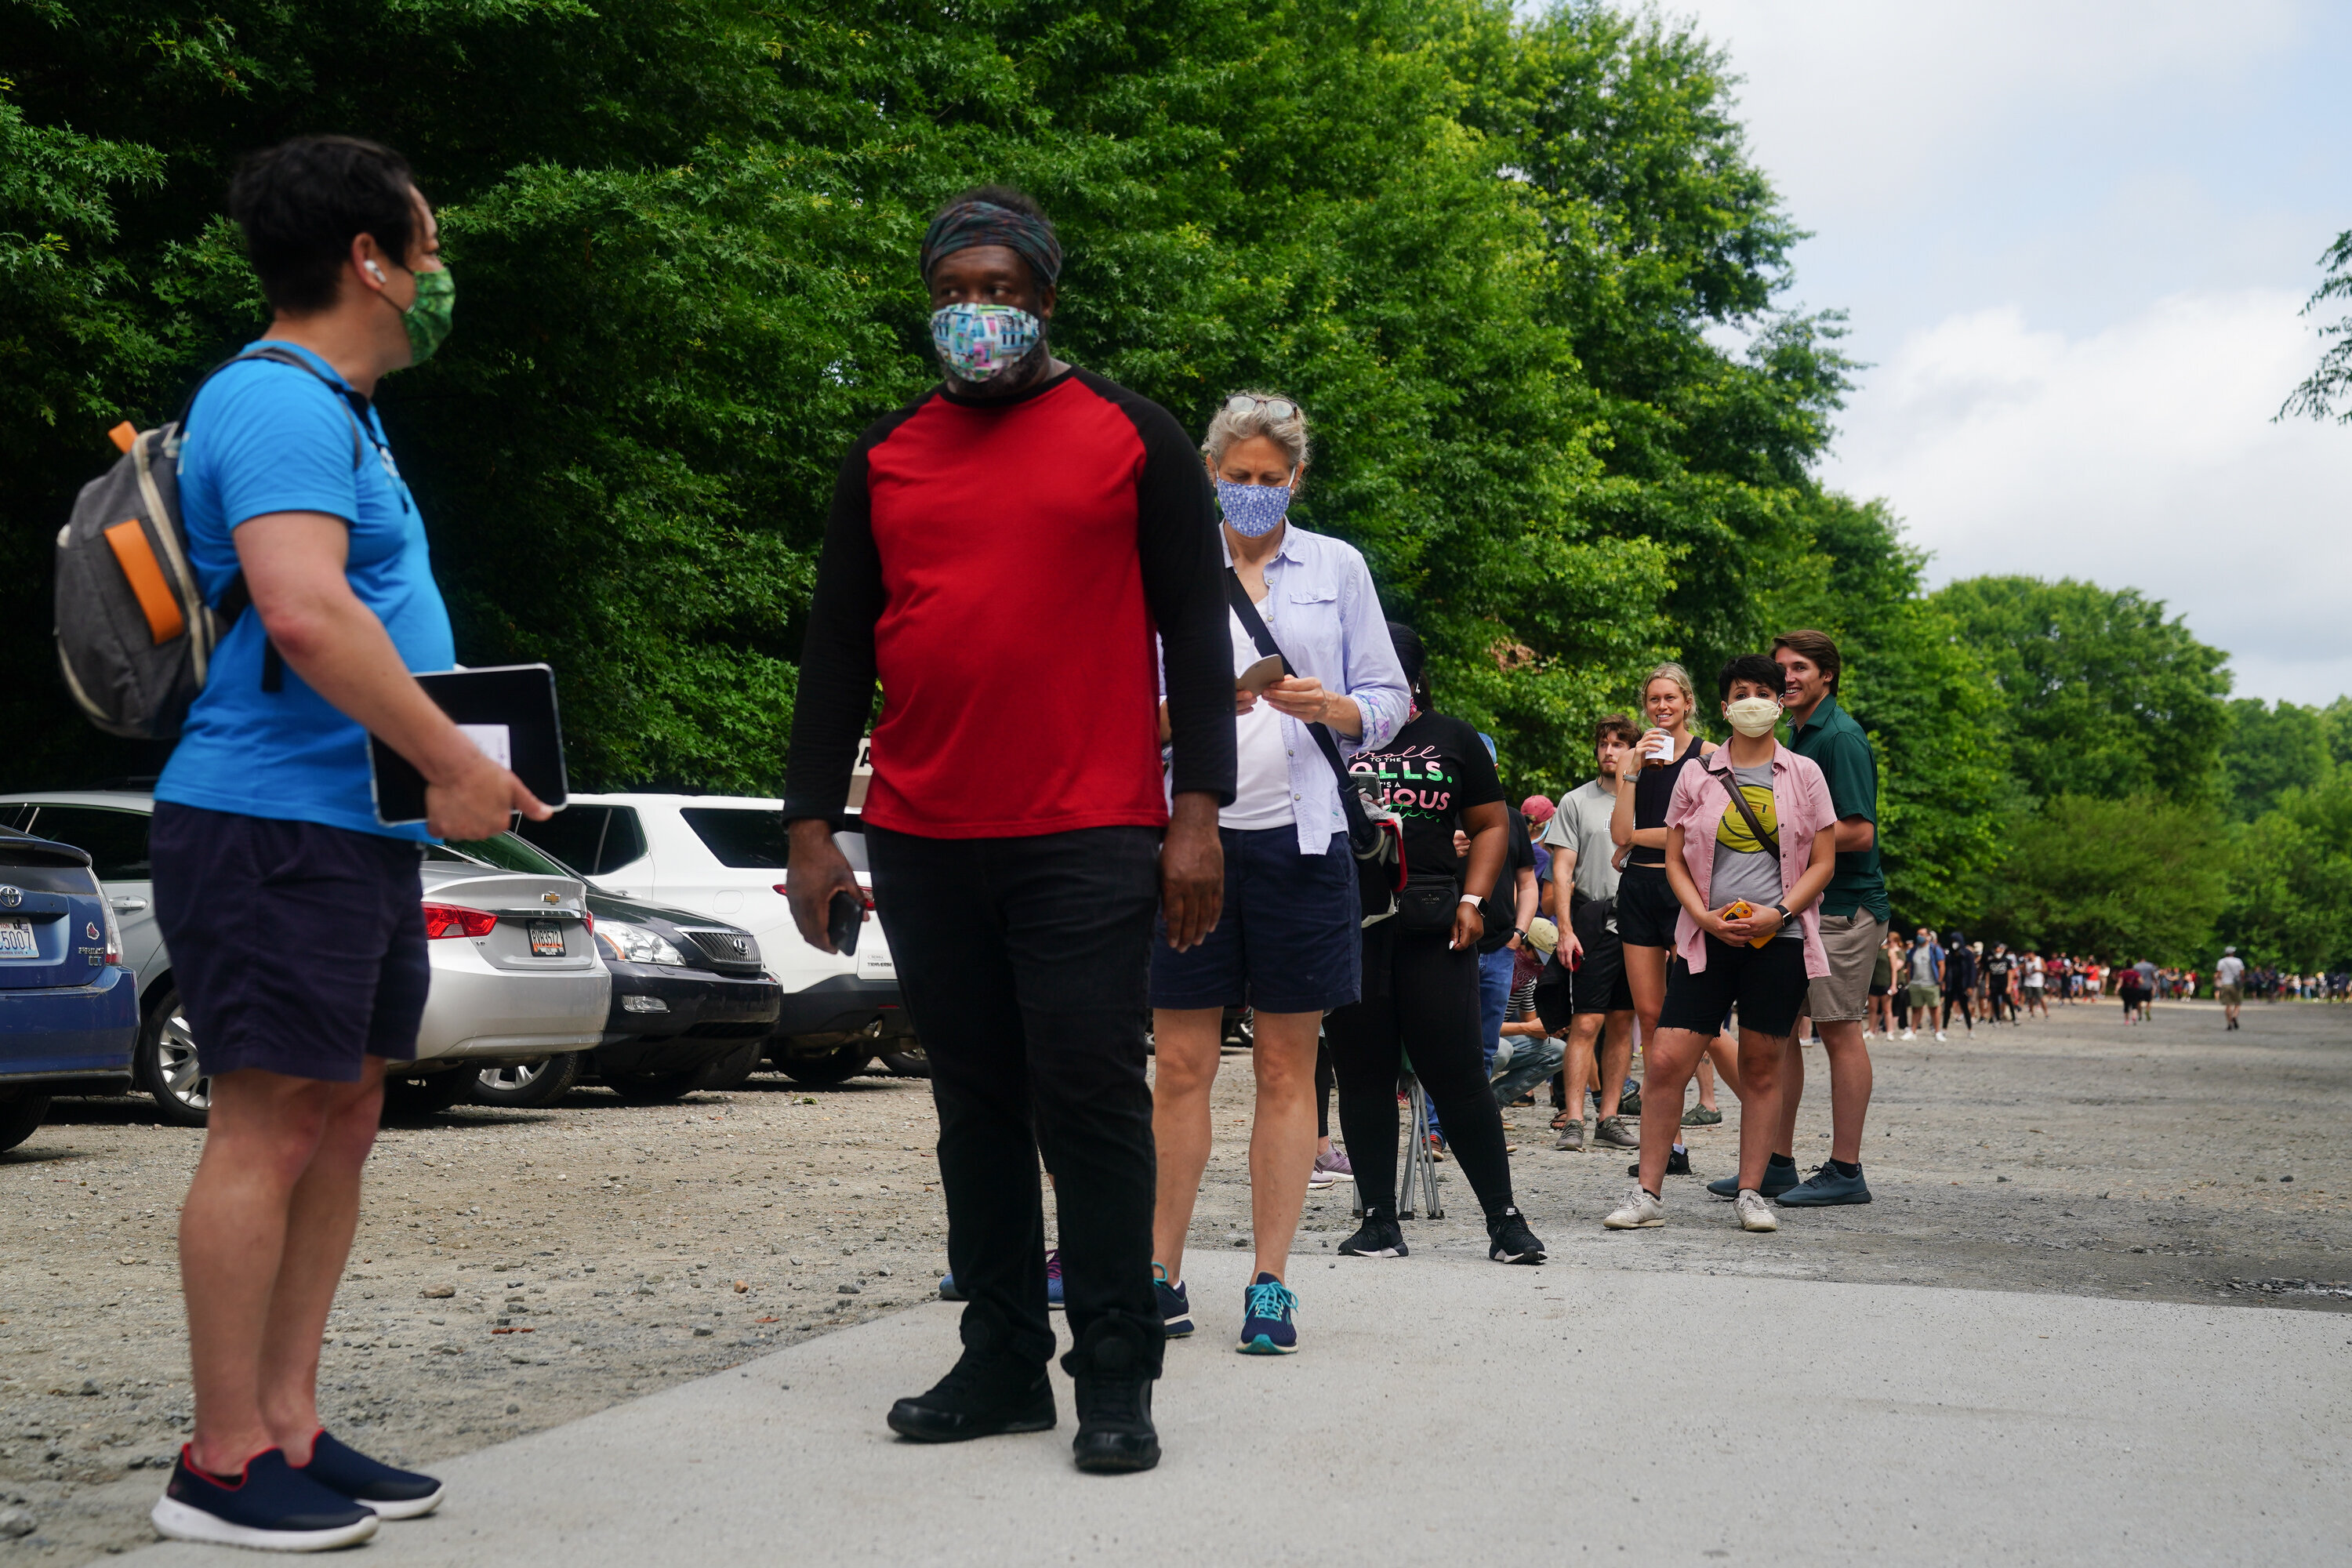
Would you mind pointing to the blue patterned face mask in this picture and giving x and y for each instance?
(977, 342)
(1253, 510)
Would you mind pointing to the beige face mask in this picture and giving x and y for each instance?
(1752, 716)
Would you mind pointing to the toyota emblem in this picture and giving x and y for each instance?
(11, 897)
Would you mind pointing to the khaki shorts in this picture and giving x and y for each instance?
(1852, 942)
(1923, 998)
(2228, 995)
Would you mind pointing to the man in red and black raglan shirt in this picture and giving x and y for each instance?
(1001, 554)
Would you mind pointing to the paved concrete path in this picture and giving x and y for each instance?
(1451, 1411)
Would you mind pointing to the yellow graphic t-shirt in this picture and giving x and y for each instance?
(1744, 867)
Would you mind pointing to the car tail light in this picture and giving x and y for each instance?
(113, 932)
(456, 919)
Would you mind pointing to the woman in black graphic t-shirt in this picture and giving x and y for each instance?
(1421, 986)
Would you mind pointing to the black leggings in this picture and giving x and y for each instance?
(1958, 999)
(1421, 1000)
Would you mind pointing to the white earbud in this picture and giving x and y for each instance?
(373, 270)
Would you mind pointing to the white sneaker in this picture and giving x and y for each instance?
(1639, 1210)
(1910, 1034)
(1754, 1213)
(1939, 1034)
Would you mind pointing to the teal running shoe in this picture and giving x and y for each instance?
(1267, 1325)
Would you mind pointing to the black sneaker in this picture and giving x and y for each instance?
(393, 1494)
(1677, 1163)
(1112, 1366)
(981, 1396)
(1378, 1236)
(1509, 1239)
(1778, 1179)
(272, 1506)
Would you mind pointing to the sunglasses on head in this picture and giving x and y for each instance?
(1245, 403)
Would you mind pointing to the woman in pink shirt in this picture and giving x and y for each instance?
(1769, 854)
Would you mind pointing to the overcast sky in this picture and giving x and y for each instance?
(2073, 238)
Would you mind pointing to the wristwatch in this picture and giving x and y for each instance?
(1783, 911)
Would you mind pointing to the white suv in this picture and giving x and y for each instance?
(725, 856)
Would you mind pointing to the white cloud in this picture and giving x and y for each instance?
(2143, 453)
(1855, 103)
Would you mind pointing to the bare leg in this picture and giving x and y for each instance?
(1645, 977)
(1282, 1133)
(1706, 1078)
(1185, 1044)
(1583, 1032)
(1668, 1060)
(1789, 1085)
(1760, 1057)
(1722, 1057)
(1616, 1060)
(1849, 1087)
(282, 1155)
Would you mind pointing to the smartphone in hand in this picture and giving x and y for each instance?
(843, 917)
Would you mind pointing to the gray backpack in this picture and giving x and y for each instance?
(135, 635)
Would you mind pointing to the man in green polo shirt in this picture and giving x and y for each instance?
(1854, 918)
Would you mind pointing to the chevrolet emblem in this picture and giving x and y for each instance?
(550, 897)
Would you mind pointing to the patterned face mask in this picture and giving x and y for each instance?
(1253, 510)
(977, 342)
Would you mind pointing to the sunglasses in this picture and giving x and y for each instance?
(1243, 403)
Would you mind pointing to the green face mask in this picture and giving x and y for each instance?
(429, 320)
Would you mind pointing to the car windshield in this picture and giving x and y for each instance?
(505, 851)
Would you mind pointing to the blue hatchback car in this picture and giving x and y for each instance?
(69, 1008)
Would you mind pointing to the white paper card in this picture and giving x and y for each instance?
(492, 741)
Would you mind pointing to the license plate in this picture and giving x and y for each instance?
(546, 940)
(16, 940)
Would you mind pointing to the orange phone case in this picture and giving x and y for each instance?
(1739, 909)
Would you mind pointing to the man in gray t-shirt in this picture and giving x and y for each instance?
(1577, 835)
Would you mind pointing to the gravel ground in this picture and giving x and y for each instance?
(517, 1269)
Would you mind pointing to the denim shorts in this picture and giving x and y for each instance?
(296, 947)
(1287, 940)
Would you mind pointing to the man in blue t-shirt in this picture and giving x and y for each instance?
(290, 912)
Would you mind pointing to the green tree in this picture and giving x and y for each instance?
(2142, 877)
(2291, 880)
(2326, 393)
(2269, 751)
(2101, 694)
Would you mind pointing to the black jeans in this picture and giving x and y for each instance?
(1421, 1000)
(1024, 963)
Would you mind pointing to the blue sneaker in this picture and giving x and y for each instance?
(1266, 1326)
(948, 1290)
(1054, 1280)
(1825, 1188)
(393, 1494)
(1175, 1310)
(272, 1506)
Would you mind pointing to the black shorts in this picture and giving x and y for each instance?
(1599, 985)
(1768, 982)
(1288, 939)
(1646, 908)
(296, 947)
(1877, 990)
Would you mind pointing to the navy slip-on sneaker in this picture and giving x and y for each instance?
(1778, 1179)
(1175, 1308)
(1268, 1313)
(393, 1494)
(1825, 1188)
(272, 1507)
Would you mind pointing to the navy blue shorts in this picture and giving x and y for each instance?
(1288, 940)
(297, 948)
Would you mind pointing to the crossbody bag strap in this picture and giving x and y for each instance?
(1252, 623)
(1747, 813)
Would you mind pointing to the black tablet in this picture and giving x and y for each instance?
(507, 710)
